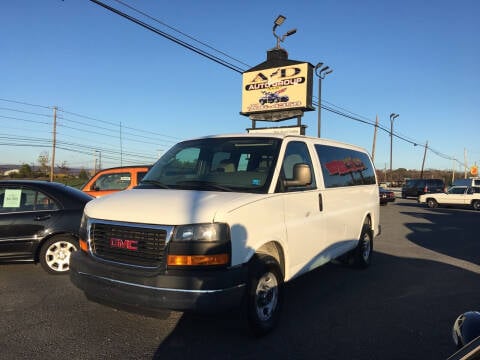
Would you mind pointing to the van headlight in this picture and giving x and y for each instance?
(201, 232)
(200, 245)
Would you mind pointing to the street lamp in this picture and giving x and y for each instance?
(321, 72)
(392, 117)
(279, 21)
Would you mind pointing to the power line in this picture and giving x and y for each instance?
(25, 103)
(19, 119)
(25, 112)
(181, 32)
(171, 37)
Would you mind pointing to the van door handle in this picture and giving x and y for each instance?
(42, 217)
(320, 202)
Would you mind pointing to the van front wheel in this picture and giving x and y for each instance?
(363, 252)
(264, 294)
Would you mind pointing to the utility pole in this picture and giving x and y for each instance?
(374, 139)
(423, 162)
(94, 162)
(321, 71)
(465, 164)
(54, 142)
(392, 118)
(453, 171)
(121, 147)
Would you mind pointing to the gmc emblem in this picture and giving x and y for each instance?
(124, 244)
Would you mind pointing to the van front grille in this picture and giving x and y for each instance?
(132, 245)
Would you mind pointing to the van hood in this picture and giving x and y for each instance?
(167, 207)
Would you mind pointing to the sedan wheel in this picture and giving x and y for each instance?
(55, 254)
(432, 203)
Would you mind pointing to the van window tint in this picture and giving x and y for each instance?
(345, 167)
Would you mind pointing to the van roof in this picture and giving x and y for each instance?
(284, 136)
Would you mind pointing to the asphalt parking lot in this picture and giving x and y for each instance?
(425, 272)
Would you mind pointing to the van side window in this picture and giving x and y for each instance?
(345, 167)
(296, 153)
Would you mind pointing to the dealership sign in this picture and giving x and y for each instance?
(277, 88)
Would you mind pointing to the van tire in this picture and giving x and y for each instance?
(264, 294)
(362, 255)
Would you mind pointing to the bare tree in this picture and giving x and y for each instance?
(44, 161)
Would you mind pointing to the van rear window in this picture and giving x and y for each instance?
(345, 167)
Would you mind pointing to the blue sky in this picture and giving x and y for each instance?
(415, 58)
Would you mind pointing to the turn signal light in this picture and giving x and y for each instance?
(83, 245)
(197, 260)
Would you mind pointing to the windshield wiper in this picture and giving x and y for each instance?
(155, 182)
(203, 185)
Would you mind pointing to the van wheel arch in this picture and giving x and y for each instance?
(275, 250)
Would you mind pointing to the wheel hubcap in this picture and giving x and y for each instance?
(266, 296)
(57, 256)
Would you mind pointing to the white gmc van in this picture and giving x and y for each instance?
(223, 221)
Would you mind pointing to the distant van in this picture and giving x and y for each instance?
(111, 180)
(223, 221)
(417, 187)
(473, 181)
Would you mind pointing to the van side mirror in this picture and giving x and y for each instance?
(302, 176)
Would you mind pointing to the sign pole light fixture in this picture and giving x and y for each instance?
(392, 118)
(279, 21)
(321, 71)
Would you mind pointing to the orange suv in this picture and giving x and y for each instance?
(111, 180)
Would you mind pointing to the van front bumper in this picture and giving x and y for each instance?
(148, 291)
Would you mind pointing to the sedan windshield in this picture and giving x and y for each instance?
(216, 164)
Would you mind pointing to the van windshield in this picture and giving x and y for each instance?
(216, 164)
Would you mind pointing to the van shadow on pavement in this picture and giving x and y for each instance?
(399, 308)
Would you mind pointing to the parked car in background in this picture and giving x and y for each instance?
(456, 195)
(473, 181)
(39, 222)
(417, 187)
(111, 180)
(386, 195)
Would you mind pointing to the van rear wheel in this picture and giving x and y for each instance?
(362, 255)
(264, 294)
